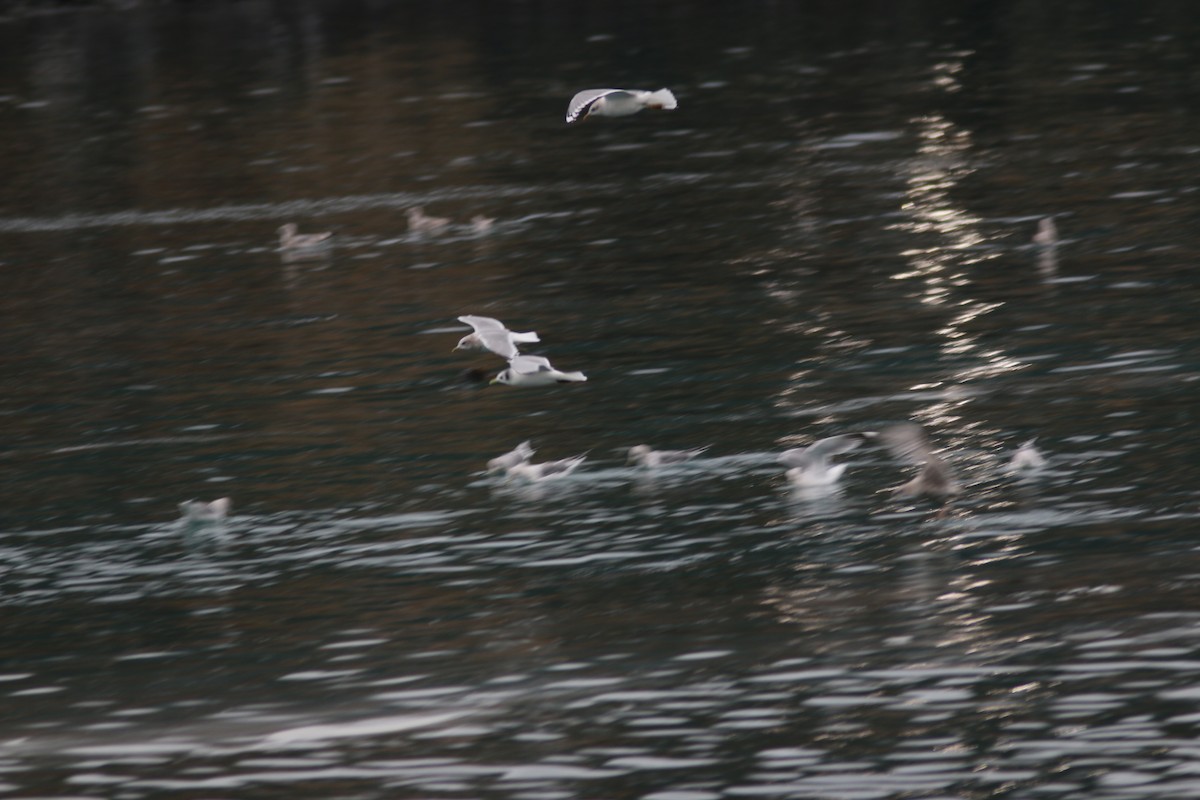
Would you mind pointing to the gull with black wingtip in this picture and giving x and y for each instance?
(617, 102)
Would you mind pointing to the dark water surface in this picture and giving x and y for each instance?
(831, 233)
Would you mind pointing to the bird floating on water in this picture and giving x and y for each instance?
(518, 455)
(292, 241)
(481, 225)
(199, 511)
(617, 102)
(535, 371)
(1047, 233)
(809, 466)
(908, 442)
(491, 334)
(420, 222)
(547, 470)
(646, 456)
(1027, 458)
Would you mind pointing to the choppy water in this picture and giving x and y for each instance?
(831, 233)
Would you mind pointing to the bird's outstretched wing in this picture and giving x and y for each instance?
(482, 324)
(529, 364)
(582, 101)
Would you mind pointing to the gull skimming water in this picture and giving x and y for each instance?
(490, 334)
(616, 102)
(535, 371)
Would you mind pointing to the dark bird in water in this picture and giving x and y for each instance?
(935, 480)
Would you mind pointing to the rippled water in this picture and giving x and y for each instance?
(831, 233)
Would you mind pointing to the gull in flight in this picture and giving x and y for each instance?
(535, 371)
(518, 455)
(616, 102)
(291, 240)
(809, 466)
(199, 511)
(490, 334)
(1027, 457)
(547, 470)
(420, 222)
(908, 442)
(645, 456)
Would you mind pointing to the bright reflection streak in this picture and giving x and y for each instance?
(929, 599)
(945, 251)
(941, 270)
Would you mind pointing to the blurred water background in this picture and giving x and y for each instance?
(831, 233)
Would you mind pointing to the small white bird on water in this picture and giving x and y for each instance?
(291, 240)
(518, 455)
(646, 456)
(1047, 233)
(617, 102)
(547, 470)
(481, 225)
(809, 466)
(198, 511)
(1027, 458)
(490, 334)
(420, 222)
(535, 371)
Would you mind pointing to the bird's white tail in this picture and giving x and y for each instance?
(529, 336)
(577, 377)
(661, 99)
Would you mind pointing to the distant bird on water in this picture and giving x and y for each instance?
(518, 455)
(199, 511)
(1047, 233)
(1027, 458)
(547, 470)
(490, 334)
(646, 456)
(809, 466)
(908, 442)
(420, 222)
(617, 102)
(481, 225)
(292, 241)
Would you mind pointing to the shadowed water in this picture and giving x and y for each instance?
(832, 233)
